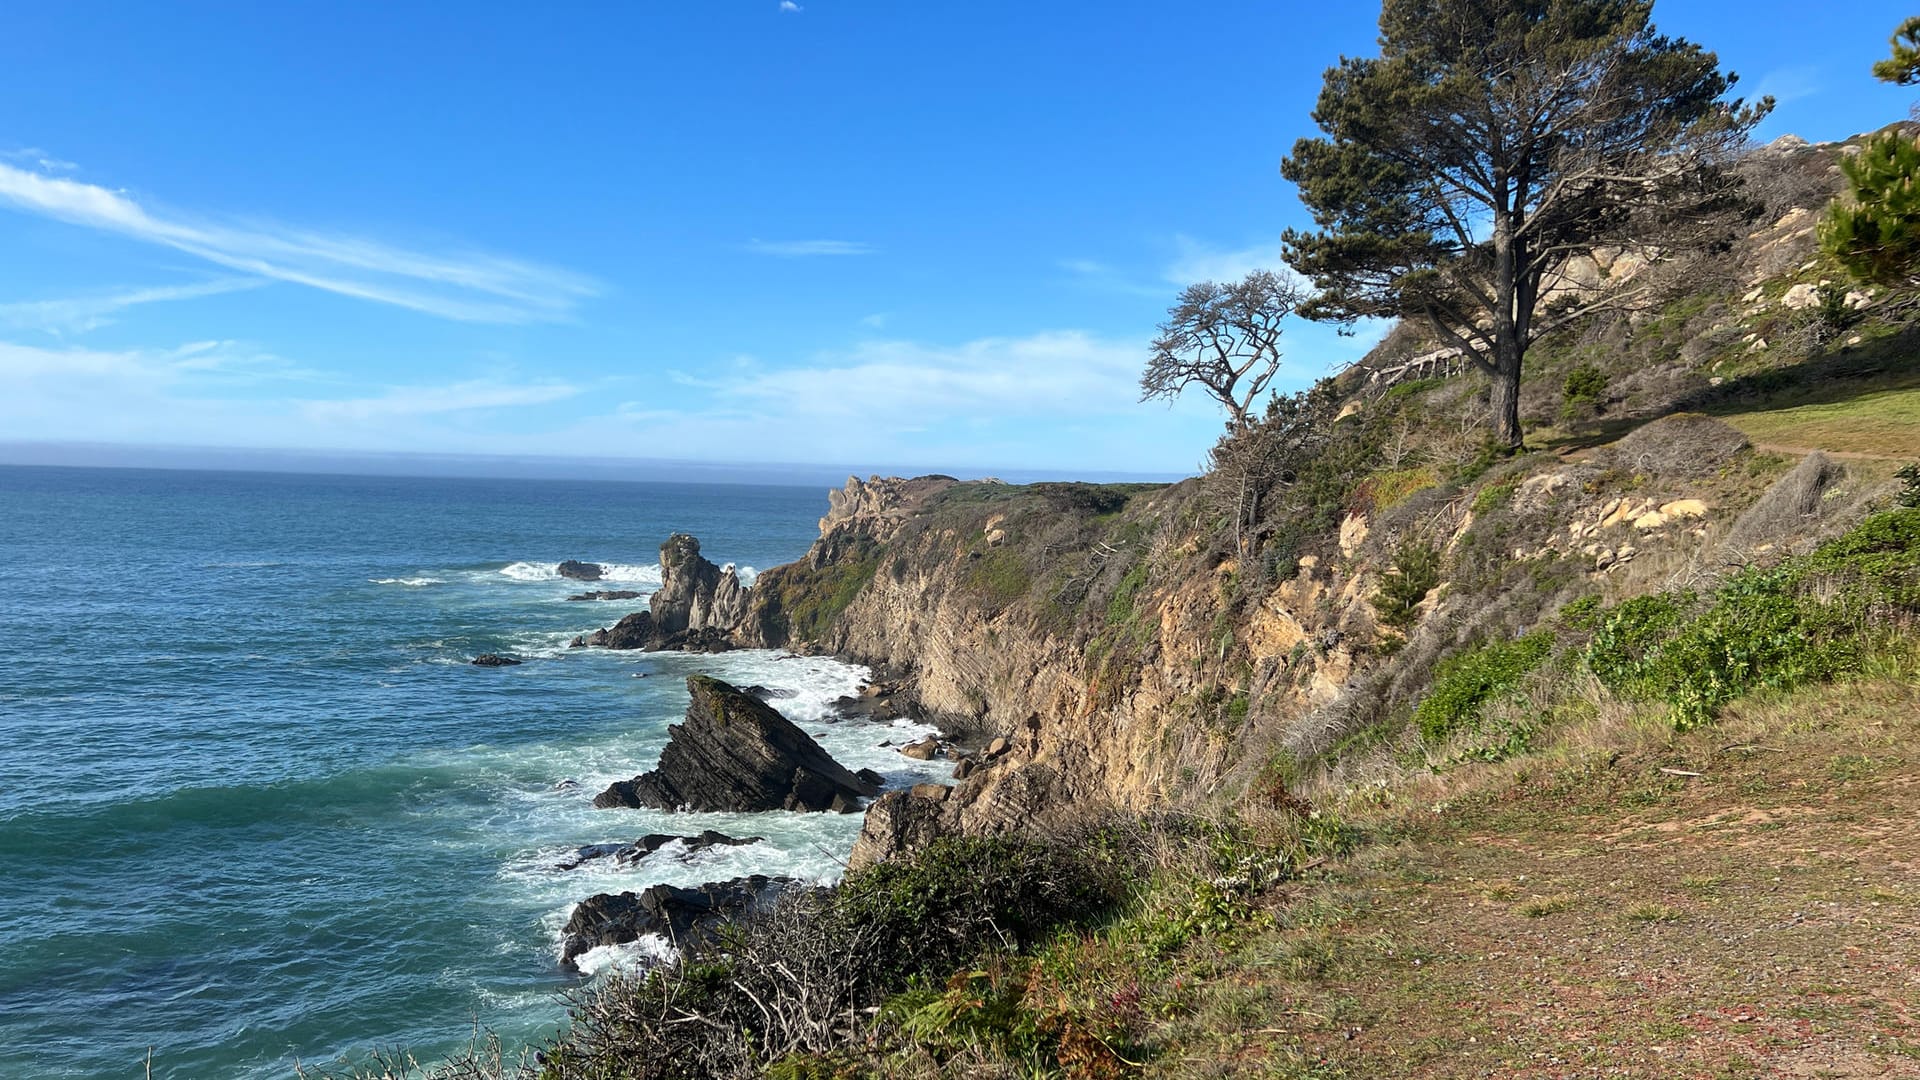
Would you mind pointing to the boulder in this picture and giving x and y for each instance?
(628, 854)
(922, 749)
(607, 594)
(896, 822)
(684, 917)
(735, 753)
(494, 660)
(580, 571)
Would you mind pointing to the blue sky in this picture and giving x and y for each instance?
(877, 234)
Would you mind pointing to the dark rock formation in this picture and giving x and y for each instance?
(683, 916)
(735, 753)
(607, 594)
(494, 660)
(580, 571)
(696, 608)
(695, 594)
(628, 854)
(633, 632)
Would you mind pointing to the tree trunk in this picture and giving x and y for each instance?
(1505, 394)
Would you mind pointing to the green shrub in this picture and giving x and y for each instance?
(788, 984)
(1582, 393)
(1909, 493)
(1494, 496)
(1463, 684)
(1415, 572)
(1811, 618)
(1876, 233)
(1120, 605)
(999, 577)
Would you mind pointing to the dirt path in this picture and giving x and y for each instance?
(1845, 455)
(1607, 919)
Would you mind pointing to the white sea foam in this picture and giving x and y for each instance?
(624, 573)
(532, 825)
(409, 582)
(647, 950)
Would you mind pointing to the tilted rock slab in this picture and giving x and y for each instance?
(736, 753)
(685, 917)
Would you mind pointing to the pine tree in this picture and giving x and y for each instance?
(1903, 67)
(1876, 233)
(1492, 141)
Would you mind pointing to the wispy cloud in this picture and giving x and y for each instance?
(798, 249)
(1055, 373)
(788, 7)
(404, 401)
(1195, 261)
(1788, 84)
(79, 314)
(463, 286)
(1105, 277)
(36, 158)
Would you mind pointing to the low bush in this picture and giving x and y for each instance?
(1811, 618)
(804, 978)
(1463, 684)
(1415, 572)
(1583, 393)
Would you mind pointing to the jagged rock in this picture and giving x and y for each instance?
(494, 660)
(872, 777)
(896, 822)
(767, 693)
(736, 753)
(694, 593)
(965, 768)
(580, 571)
(936, 792)
(696, 608)
(628, 854)
(879, 505)
(607, 594)
(684, 917)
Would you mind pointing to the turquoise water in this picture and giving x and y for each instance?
(255, 807)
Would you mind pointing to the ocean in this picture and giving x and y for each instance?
(256, 807)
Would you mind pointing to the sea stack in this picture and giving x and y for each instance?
(735, 752)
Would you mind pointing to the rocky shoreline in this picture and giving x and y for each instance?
(733, 752)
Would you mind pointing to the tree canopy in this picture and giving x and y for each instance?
(1903, 67)
(1226, 339)
(1875, 233)
(1492, 141)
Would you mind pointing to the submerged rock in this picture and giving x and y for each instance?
(580, 571)
(628, 854)
(494, 660)
(607, 594)
(734, 752)
(684, 917)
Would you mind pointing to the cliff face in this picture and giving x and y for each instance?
(1130, 656)
(1083, 625)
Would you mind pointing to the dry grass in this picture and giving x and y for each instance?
(1586, 912)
